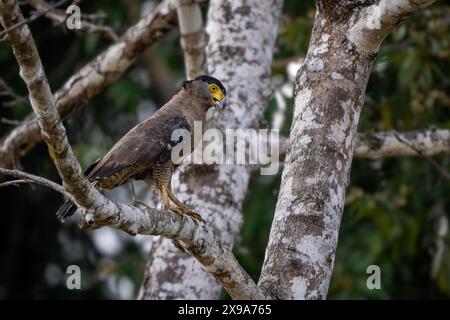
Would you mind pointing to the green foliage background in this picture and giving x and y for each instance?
(393, 209)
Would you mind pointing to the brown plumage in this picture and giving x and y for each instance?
(144, 153)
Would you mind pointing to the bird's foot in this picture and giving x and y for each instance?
(179, 245)
(137, 204)
(186, 211)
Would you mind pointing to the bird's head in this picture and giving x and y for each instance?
(210, 87)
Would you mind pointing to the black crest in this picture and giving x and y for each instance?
(210, 80)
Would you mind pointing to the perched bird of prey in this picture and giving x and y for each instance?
(144, 153)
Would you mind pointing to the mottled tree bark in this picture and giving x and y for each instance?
(329, 94)
(395, 144)
(239, 52)
(98, 211)
(388, 144)
(192, 37)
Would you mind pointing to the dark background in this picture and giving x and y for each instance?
(394, 206)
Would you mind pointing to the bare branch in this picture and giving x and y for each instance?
(433, 163)
(247, 78)
(12, 122)
(93, 77)
(98, 210)
(387, 144)
(60, 17)
(197, 240)
(31, 178)
(6, 91)
(375, 22)
(32, 18)
(161, 77)
(15, 183)
(106, 31)
(43, 103)
(93, 16)
(192, 37)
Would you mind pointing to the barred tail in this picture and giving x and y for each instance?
(69, 208)
(66, 210)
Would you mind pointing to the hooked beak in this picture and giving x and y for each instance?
(220, 104)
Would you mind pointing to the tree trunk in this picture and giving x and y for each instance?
(97, 210)
(239, 52)
(329, 94)
(192, 38)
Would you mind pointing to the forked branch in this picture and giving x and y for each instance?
(99, 211)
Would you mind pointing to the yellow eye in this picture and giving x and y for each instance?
(216, 92)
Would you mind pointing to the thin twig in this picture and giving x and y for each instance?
(7, 91)
(94, 16)
(32, 18)
(15, 183)
(432, 162)
(192, 38)
(85, 84)
(13, 122)
(60, 17)
(105, 30)
(31, 178)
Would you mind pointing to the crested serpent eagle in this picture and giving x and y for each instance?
(144, 153)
